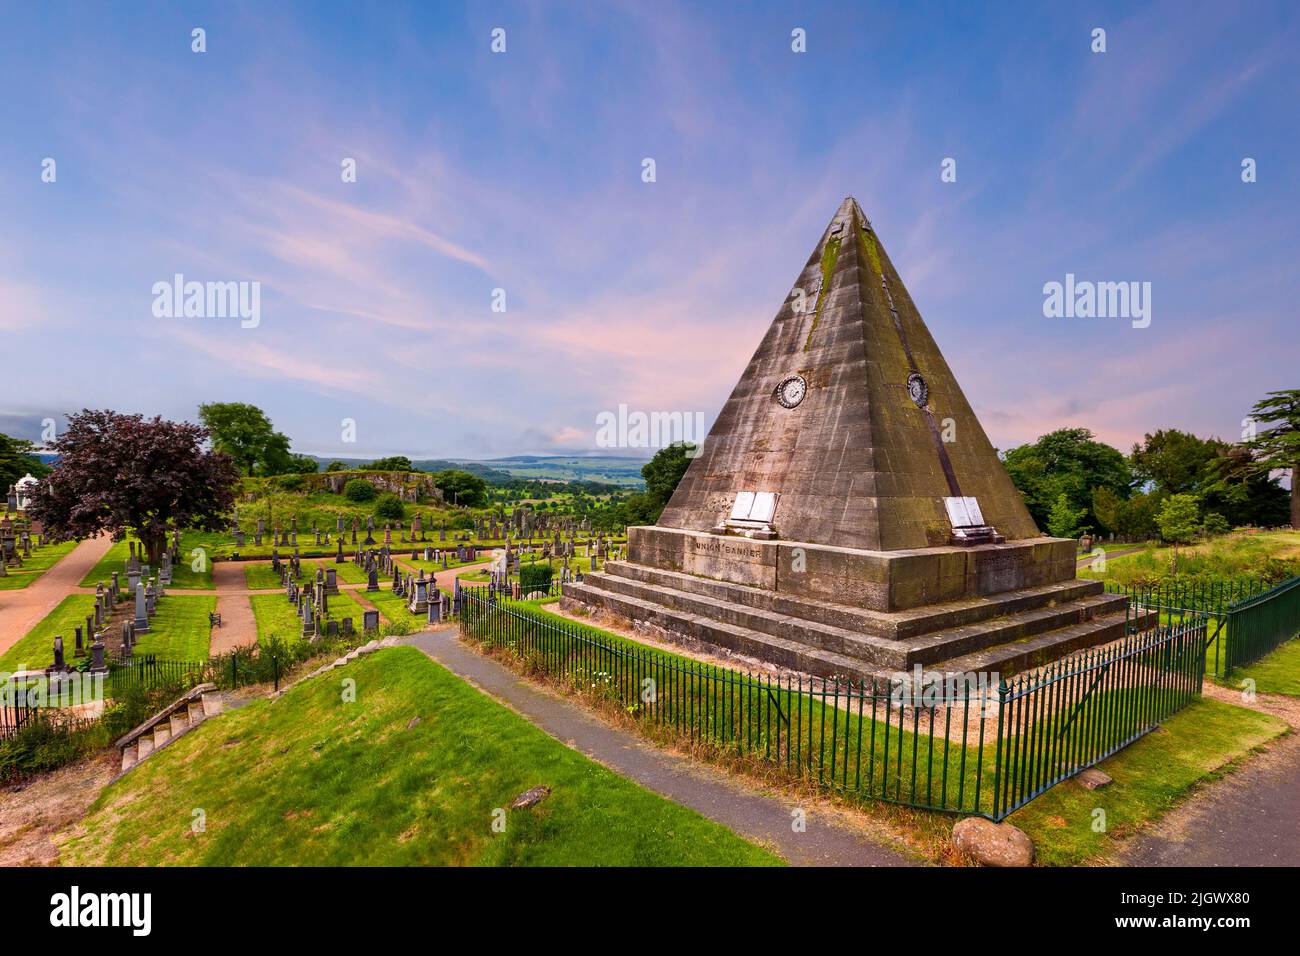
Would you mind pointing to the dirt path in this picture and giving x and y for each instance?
(22, 609)
(757, 816)
(238, 626)
(31, 815)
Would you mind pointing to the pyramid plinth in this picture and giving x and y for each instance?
(847, 484)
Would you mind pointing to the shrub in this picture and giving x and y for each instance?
(43, 744)
(390, 506)
(288, 482)
(359, 490)
(534, 577)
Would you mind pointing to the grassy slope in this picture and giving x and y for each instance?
(310, 779)
(1151, 776)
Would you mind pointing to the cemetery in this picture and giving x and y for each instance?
(831, 598)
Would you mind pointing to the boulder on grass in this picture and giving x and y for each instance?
(530, 798)
(1092, 779)
(993, 844)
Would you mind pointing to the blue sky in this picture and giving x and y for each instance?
(522, 171)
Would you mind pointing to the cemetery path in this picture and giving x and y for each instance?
(756, 816)
(22, 609)
(1249, 817)
(238, 626)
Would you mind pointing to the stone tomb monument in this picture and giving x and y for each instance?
(847, 514)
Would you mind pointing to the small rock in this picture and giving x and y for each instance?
(1092, 778)
(993, 844)
(412, 722)
(530, 798)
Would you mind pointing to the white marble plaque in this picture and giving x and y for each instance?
(744, 503)
(764, 506)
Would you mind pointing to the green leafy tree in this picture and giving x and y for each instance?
(1179, 518)
(663, 472)
(359, 490)
(392, 463)
(390, 506)
(1277, 442)
(1244, 491)
(302, 465)
(1175, 462)
(1067, 462)
(461, 488)
(244, 433)
(1063, 520)
(1216, 524)
(336, 466)
(18, 458)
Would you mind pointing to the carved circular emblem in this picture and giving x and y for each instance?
(917, 390)
(791, 391)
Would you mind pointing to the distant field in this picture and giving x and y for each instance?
(615, 471)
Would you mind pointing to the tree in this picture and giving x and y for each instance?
(336, 465)
(393, 463)
(1067, 462)
(301, 465)
(359, 490)
(461, 488)
(663, 472)
(1175, 461)
(1063, 520)
(390, 506)
(1277, 444)
(1243, 490)
(1216, 524)
(18, 458)
(125, 473)
(1178, 519)
(245, 433)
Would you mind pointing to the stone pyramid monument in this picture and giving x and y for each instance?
(847, 515)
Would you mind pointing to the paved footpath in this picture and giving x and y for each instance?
(753, 815)
(1250, 817)
(22, 609)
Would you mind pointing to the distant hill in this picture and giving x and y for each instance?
(609, 469)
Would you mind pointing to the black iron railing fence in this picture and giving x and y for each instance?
(1247, 617)
(1259, 624)
(970, 743)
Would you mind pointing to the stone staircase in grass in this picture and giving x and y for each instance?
(998, 633)
(176, 719)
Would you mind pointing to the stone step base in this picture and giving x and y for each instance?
(832, 652)
(893, 625)
(927, 649)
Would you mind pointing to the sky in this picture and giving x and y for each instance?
(517, 178)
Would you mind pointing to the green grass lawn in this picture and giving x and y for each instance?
(311, 779)
(40, 561)
(1151, 776)
(276, 617)
(1274, 673)
(35, 650)
(392, 607)
(179, 631)
(183, 575)
(1274, 555)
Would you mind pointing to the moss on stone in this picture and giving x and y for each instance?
(829, 255)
